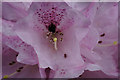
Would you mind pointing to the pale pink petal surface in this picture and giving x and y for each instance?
(64, 39)
(34, 35)
(9, 56)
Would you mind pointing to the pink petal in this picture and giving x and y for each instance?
(90, 11)
(95, 74)
(105, 24)
(13, 12)
(78, 5)
(91, 39)
(26, 55)
(0, 55)
(10, 39)
(9, 55)
(107, 63)
(8, 28)
(34, 34)
(87, 45)
(109, 26)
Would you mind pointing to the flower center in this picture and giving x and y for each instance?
(51, 17)
(54, 36)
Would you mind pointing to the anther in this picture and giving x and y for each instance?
(10, 64)
(99, 42)
(51, 40)
(61, 39)
(18, 70)
(61, 33)
(102, 35)
(48, 34)
(21, 67)
(13, 62)
(56, 31)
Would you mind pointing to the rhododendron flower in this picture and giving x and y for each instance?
(59, 39)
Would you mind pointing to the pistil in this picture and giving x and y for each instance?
(55, 43)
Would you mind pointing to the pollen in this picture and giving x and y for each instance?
(115, 43)
(55, 39)
(6, 76)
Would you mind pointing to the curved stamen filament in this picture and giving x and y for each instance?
(7, 76)
(106, 45)
(12, 74)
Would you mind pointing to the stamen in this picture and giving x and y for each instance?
(61, 39)
(55, 43)
(18, 70)
(21, 67)
(56, 31)
(10, 64)
(13, 62)
(48, 34)
(99, 42)
(51, 35)
(61, 33)
(106, 45)
(7, 76)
